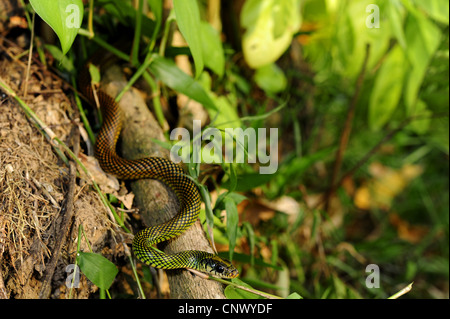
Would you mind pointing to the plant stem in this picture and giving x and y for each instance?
(230, 283)
(82, 113)
(156, 101)
(104, 44)
(137, 34)
(133, 267)
(402, 292)
(136, 76)
(91, 18)
(347, 129)
(165, 37)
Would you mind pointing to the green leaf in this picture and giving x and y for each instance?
(353, 35)
(194, 169)
(249, 181)
(232, 292)
(438, 134)
(396, 20)
(226, 115)
(421, 124)
(232, 223)
(188, 18)
(387, 89)
(236, 197)
(126, 14)
(270, 78)
(437, 9)
(209, 215)
(95, 73)
(157, 9)
(423, 38)
(270, 26)
(66, 63)
(167, 71)
(63, 16)
(212, 48)
(251, 240)
(243, 258)
(294, 295)
(233, 178)
(212, 151)
(97, 269)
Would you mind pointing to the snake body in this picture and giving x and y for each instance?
(155, 168)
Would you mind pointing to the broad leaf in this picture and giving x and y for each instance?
(188, 18)
(423, 38)
(212, 49)
(232, 292)
(167, 71)
(97, 269)
(63, 16)
(270, 26)
(270, 78)
(387, 89)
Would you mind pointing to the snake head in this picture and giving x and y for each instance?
(220, 267)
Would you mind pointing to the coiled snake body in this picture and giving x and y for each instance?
(155, 168)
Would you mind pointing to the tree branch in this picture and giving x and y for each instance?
(156, 202)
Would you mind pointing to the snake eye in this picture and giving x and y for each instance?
(220, 269)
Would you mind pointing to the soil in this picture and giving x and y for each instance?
(35, 186)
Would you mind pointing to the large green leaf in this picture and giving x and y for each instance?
(212, 48)
(422, 118)
(269, 25)
(387, 89)
(225, 115)
(395, 13)
(167, 71)
(232, 292)
(437, 9)
(248, 181)
(270, 78)
(423, 38)
(354, 28)
(97, 269)
(63, 16)
(188, 19)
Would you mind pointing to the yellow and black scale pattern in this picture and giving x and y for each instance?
(155, 168)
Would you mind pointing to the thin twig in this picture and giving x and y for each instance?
(347, 129)
(375, 148)
(30, 54)
(230, 283)
(386, 138)
(66, 219)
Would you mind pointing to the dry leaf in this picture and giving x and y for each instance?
(127, 200)
(406, 231)
(255, 211)
(108, 183)
(284, 204)
(387, 183)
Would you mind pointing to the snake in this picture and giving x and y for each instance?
(154, 168)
